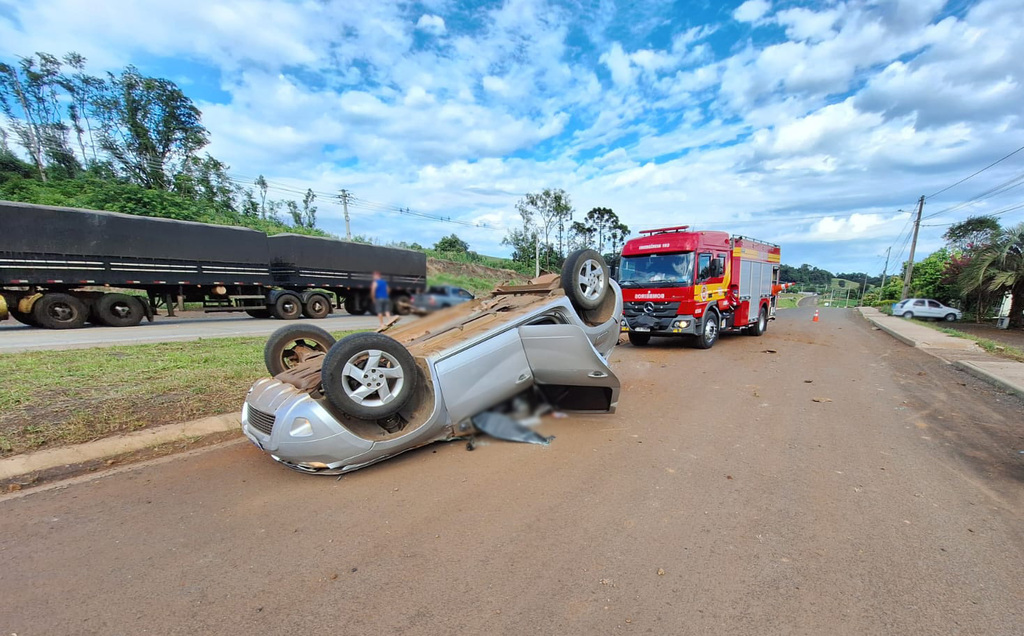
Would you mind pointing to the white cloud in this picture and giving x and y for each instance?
(751, 10)
(619, 65)
(433, 24)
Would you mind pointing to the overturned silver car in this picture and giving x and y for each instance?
(333, 407)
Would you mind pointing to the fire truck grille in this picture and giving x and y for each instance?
(653, 309)
(262, 422)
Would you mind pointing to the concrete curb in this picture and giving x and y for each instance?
(990, 377)
(895, 334)
(108, 447)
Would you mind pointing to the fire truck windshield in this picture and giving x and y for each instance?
(657, 270)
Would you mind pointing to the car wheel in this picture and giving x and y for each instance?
(369, 376)
(287, 307)
(761, 325)
(708, 331)
(60, 311)
(258, 313)
(639, 339)
(316, 307)
(294, 344)
(585, 279)
(118, 310)
(908, 315)
(950, 317)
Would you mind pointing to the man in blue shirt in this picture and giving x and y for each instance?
(381, 298)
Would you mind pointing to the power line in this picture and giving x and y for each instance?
(971, 176)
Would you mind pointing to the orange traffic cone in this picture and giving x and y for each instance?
(815, 319)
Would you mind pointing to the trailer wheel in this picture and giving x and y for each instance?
(369, 376)
(294, 344)
(708, 335)
(639, 339)
(355, 306)
(118, 310)
(761, 325)
(585, 279)
(287, 307)
(60, 311)
(258, 313)
(403, 304)
(316, 307)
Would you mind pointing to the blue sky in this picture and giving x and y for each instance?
(815, 125)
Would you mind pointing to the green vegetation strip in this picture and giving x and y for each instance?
(53, 398)
(999, 349)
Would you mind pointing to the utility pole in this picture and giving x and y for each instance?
(863, 290)
(913, 246)
(885, 270)
(344, 196)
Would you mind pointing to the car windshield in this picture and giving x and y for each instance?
(437, 290)
(657, 270)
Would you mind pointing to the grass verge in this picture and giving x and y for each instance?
(54, 398)
(787, 301)
(999, 349)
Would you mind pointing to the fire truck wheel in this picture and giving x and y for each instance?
(287, 307)
(294, 344)
(118, 310)
(369, 376)
(60, 311)
(761, 326)
(708, 335)
(639, 339)
(585, 279)
(317, 306)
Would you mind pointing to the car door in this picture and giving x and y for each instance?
(935, 309)
(568, 370)
(920, 308)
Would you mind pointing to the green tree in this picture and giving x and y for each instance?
(149, 127)
(542, 213)
(451, 243)
(929, 278)
(974, 233)
(308, 210)
(261, 185)
(999, 267)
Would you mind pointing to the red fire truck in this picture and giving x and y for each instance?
(677, 282)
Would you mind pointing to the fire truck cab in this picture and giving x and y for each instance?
(677, 282)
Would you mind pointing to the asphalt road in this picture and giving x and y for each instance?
(720, 499)
(15, 337)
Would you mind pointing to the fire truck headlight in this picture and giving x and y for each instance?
(680, 324)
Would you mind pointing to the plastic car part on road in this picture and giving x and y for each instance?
(501, 426)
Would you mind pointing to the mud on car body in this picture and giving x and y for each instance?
(333, 407)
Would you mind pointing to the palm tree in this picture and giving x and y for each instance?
(999, 267)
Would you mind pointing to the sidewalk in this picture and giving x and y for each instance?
(960, 352)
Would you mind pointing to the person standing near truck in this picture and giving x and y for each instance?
(381, 298)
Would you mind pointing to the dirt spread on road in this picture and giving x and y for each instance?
(721, 498)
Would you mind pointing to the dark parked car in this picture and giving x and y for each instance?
(439, 297)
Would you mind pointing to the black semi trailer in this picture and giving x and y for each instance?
(59, 265)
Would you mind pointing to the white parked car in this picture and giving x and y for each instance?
(926, 308)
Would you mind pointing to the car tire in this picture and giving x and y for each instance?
(287, 307)
(950, 317)
(292, 345)
(316, 307)
(761, 326)
(258, 313)
(369, 376)
(638, 339)
(908, 315)
(60, 311)
(118, 310)
(585, 279)
(708, 335)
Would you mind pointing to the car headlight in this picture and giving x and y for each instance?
(301, 427)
